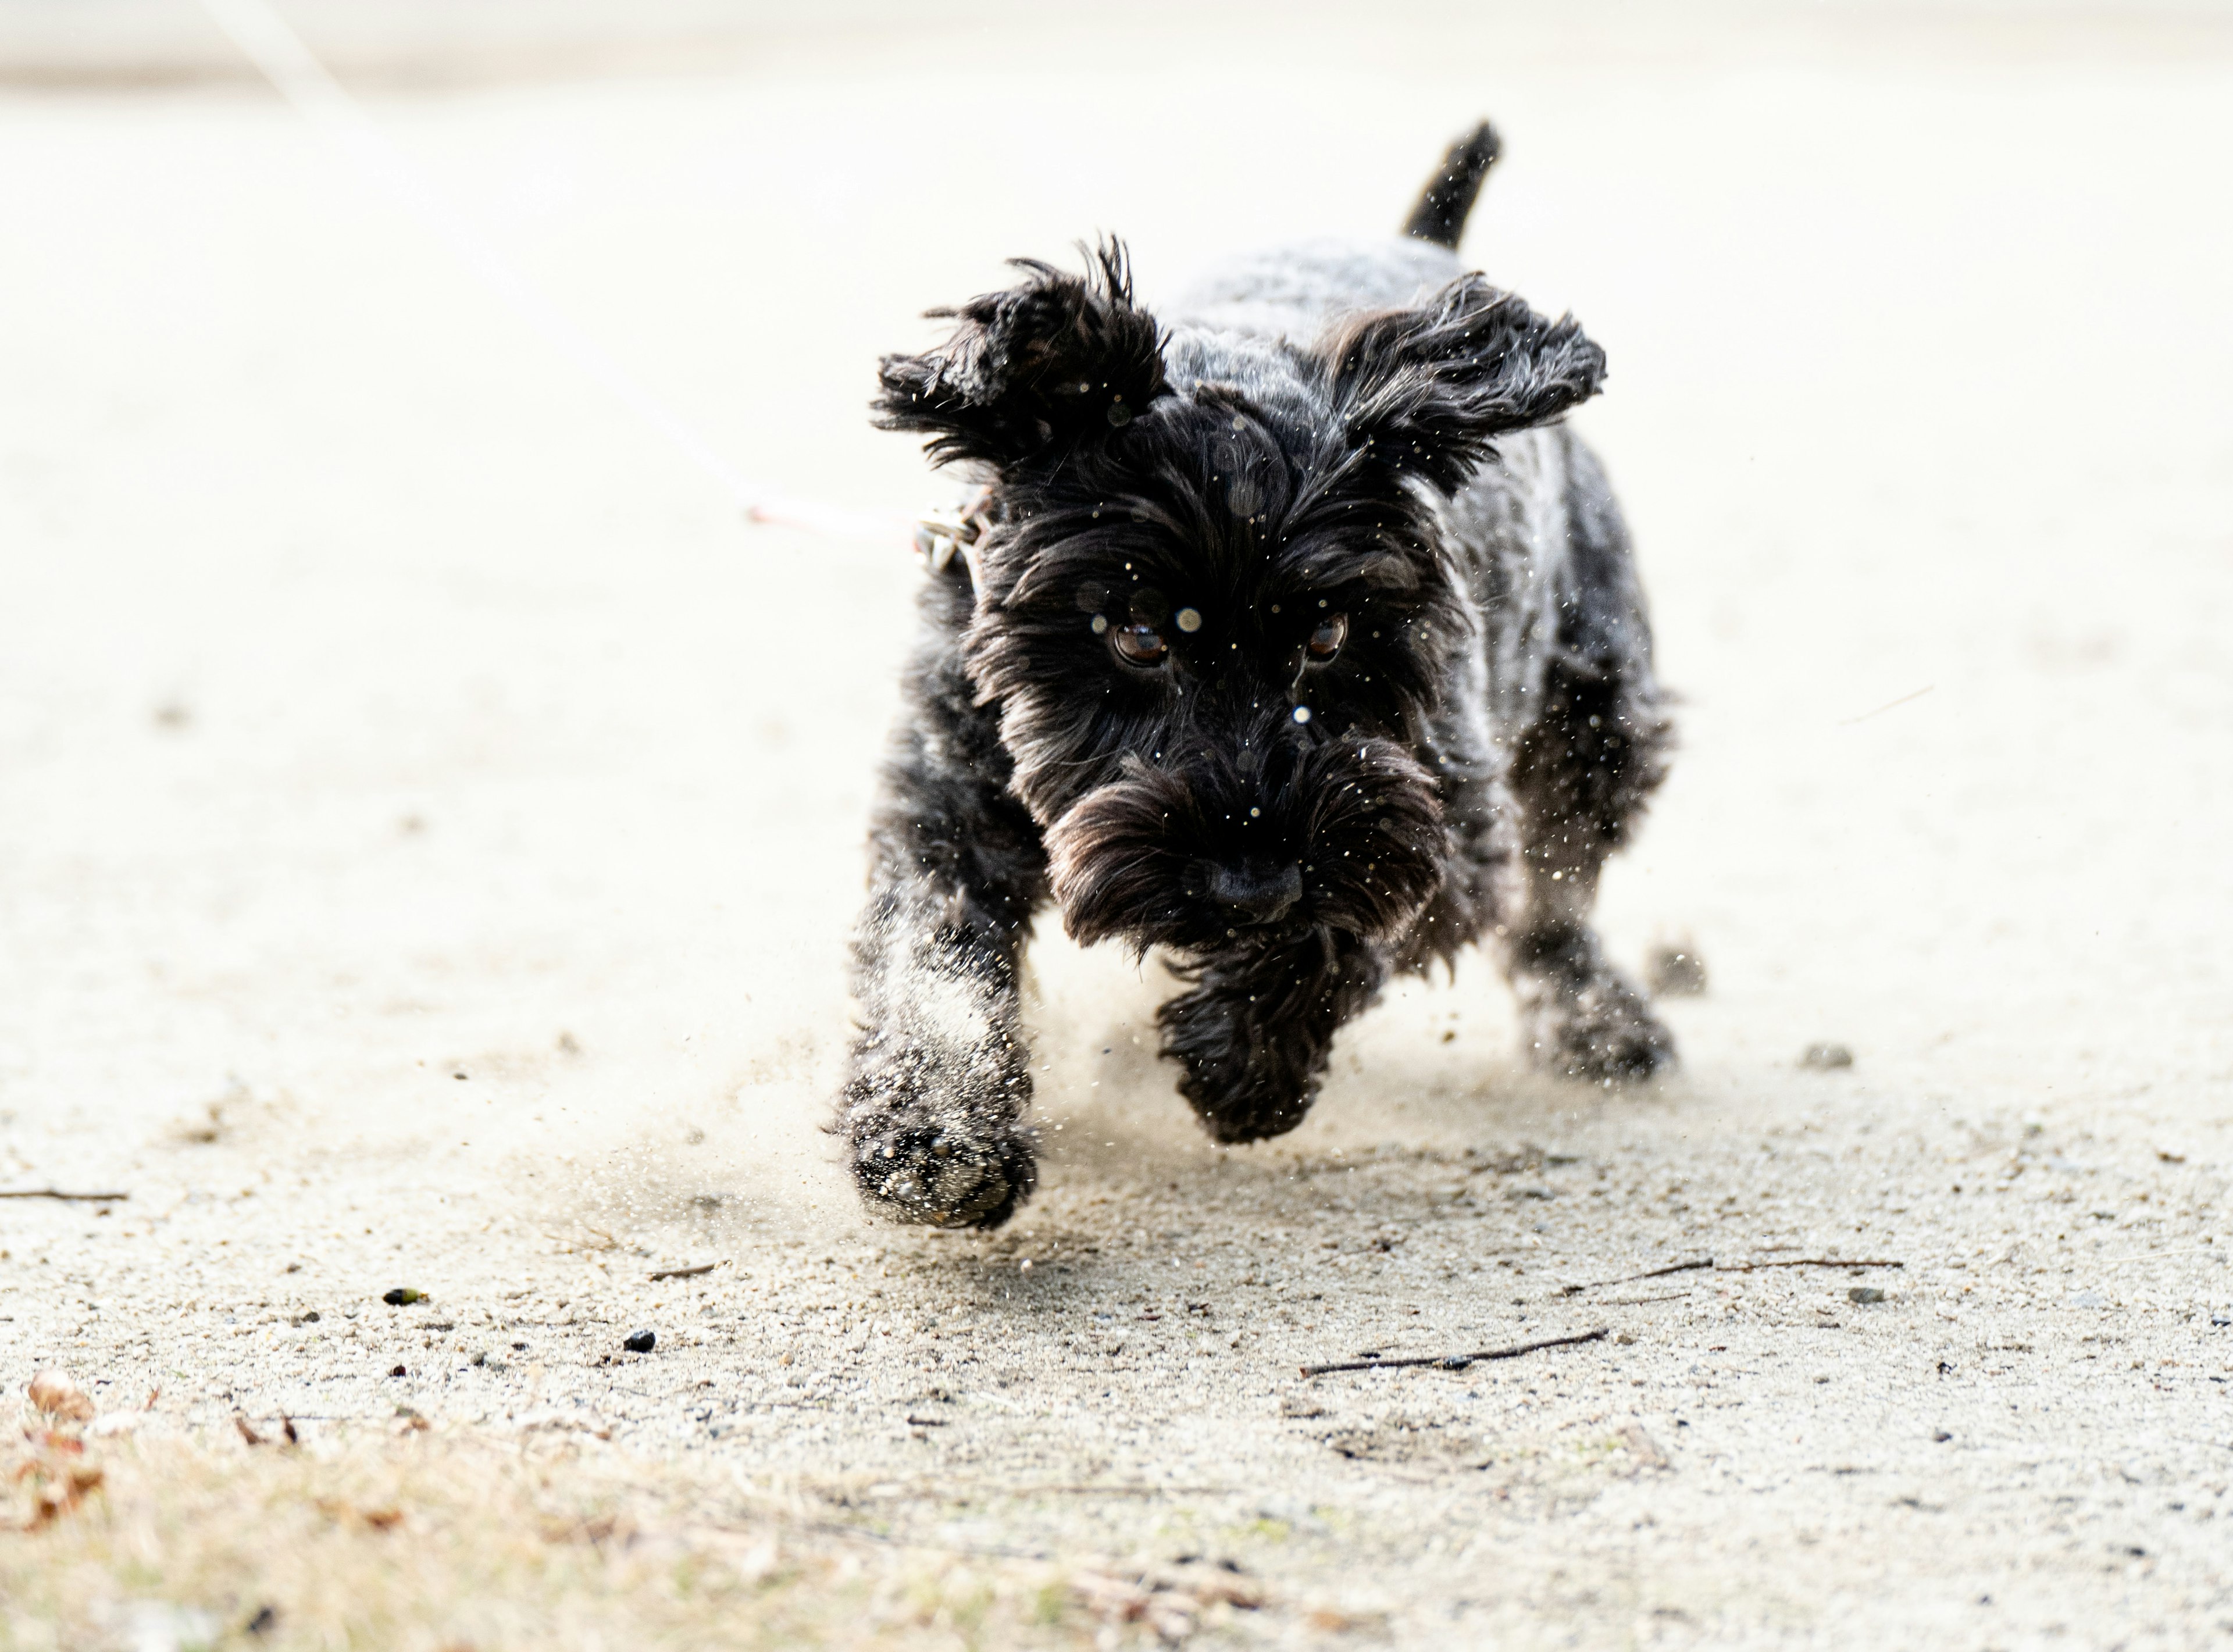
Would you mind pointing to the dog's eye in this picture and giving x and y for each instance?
(1141, 644)
(1326, 640)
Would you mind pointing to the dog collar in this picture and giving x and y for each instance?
(941, 536)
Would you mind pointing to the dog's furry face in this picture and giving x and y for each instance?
(1213, 608)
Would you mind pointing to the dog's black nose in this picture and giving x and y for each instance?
(1256, 895)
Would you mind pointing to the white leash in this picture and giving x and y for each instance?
(266, 39)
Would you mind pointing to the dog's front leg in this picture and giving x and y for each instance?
(932, 1106)
(1254, 1033)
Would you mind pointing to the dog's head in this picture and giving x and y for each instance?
(1213, 607)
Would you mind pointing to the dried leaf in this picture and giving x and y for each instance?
(58, 1488)
(54, 1392)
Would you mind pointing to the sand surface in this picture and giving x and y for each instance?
(430, 823)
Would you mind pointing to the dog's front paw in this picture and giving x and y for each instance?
(1603, 1032)
(945, 1177)
(937, 1136)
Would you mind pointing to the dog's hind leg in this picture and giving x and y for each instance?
(933, 1102)
(1581, 771)
(1581, 1015)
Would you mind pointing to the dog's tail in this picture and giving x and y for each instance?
(1440, 216)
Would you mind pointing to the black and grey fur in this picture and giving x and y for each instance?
(1123, 701)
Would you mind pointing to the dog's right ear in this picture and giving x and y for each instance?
(1427, 390)
(1055, 360)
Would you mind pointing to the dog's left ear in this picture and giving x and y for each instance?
(1426, 390)
(1055, 360)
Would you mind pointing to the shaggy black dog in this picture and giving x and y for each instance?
(1288, 632)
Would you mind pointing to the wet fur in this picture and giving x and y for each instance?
(1366, 430)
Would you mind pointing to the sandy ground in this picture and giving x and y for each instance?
(430, 824)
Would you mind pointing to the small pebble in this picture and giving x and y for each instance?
(641, 1342)
(1940, 1436)
(1865, 1293)
(1826, 1057)
(403, 1296)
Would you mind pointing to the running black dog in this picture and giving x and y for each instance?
(1288, 632)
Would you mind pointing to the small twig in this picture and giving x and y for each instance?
(1887, 706)
(54, 1192)
(927, 1423)
(1707, 1264)
(352, 1416)
(1698, 1267)
(603, 1241)
(1455, 1362)
(686, 1273)
(2151, 1256)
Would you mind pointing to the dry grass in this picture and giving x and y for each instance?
(438, 1542)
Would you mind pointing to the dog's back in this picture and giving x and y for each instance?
(1294, 292)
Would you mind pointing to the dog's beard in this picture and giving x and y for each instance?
(1134, 858)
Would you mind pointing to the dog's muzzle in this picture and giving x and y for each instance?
(1315, 833)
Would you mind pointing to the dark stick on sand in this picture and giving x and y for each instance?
(1455, 1362)
(1699, 1266)
(686, 1273)
(1707, 1264)
(53, 1192)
